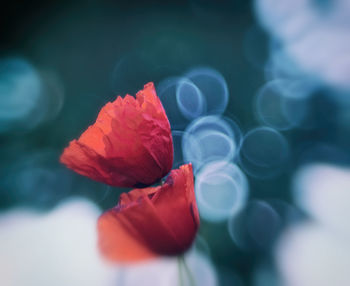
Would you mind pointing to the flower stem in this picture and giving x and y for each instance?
(182, 263)
(179, 263)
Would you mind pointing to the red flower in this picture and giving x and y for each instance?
(130, 143)
(154, 221)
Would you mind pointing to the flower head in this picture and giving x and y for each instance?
(153, 221)
(130, 143)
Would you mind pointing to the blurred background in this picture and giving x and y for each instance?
(258, 97)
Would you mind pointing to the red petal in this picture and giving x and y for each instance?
(163, 220)
(129, 144)
(116, 243)
(175, 203)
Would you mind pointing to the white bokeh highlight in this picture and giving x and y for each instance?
(60, 248)
(221, 190)
(317, 252)
(314, 37)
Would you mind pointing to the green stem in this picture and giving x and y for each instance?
(182, 263)
(179, 264)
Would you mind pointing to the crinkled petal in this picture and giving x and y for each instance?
(130, 144)
(164, 220)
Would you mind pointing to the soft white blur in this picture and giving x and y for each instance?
(310, 254)
(324, 192)
(165, 272)
(314, 34)
(59, 248)
(317, 252)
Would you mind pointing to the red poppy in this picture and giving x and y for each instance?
(129, 145)
(153, 221)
